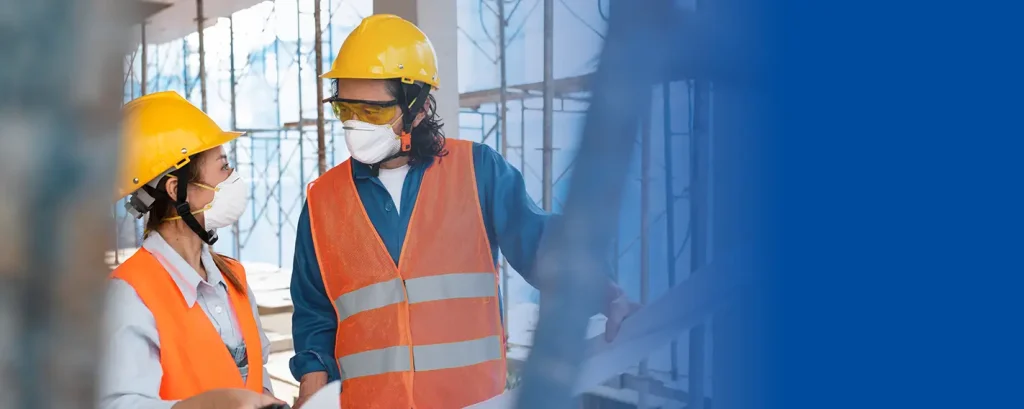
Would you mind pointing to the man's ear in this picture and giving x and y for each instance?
(171, 188)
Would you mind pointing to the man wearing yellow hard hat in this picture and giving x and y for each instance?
(181, 323)
(395, 283)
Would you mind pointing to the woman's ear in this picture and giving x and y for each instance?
(171, 188)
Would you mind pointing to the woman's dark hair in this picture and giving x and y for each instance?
(163, 208)
(428, 136)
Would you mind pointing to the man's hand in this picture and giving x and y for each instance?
(308, 385)
(618, 309)
(228, 399)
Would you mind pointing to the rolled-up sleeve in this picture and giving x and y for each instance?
(130, 372)
(314, 321)
(514, 220)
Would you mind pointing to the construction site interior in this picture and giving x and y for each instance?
(252, 65)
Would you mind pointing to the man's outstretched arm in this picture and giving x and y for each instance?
(518, 225)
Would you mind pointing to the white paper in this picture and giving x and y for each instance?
(325, 398)
(503, 401)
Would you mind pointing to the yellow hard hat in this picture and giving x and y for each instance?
(159, 132)
(385, 46)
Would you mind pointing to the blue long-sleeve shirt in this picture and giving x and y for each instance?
(513, 221)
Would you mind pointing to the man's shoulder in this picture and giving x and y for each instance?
(484, 157)
(341, 170)
(460, 145)
(482, 153)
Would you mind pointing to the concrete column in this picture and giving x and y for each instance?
(439, 20)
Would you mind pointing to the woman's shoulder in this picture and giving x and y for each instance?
(122, 295)
(125, 312)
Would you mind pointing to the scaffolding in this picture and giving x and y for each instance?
(247, 62)
(288, 140)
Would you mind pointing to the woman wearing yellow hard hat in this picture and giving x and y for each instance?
(182, 326)
(395, 283)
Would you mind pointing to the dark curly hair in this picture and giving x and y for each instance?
(427, 137)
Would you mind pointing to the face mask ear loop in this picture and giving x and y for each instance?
(207, 187)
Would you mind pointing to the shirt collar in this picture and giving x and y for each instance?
(185, 277)
(362, 171)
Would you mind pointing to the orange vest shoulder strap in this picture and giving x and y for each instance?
(330, 179)
(459, 147)
(148, 277)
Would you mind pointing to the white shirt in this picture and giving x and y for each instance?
(393, 180)
(131, 372)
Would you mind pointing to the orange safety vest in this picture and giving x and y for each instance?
(427, 333)
(192, 355)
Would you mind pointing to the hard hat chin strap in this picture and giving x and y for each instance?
(184, 210)
(409, 112)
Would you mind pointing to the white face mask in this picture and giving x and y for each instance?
(229, 202)
(369, 143)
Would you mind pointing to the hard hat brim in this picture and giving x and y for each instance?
(213, 142)
(223, 138)
(330, 75)
(231, 135)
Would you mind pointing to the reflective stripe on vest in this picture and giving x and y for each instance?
(426, 357)
(426, 333)
(430, 288)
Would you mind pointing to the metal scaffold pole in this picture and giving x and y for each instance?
(184, 69)
(549, 91)
(200, 20)
(699, 190)
(522, 136)
(301, 126)
(280, 166)
(330, 48)
(503, 68)
(235, 229)
(58, 150)
(503, 117)
(645, 239)
(145, 58)
(670, 212)
(321, 144)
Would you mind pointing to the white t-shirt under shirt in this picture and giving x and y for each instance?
(393, 180)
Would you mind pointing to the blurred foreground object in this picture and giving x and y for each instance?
(60, 93)
(571, 265)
